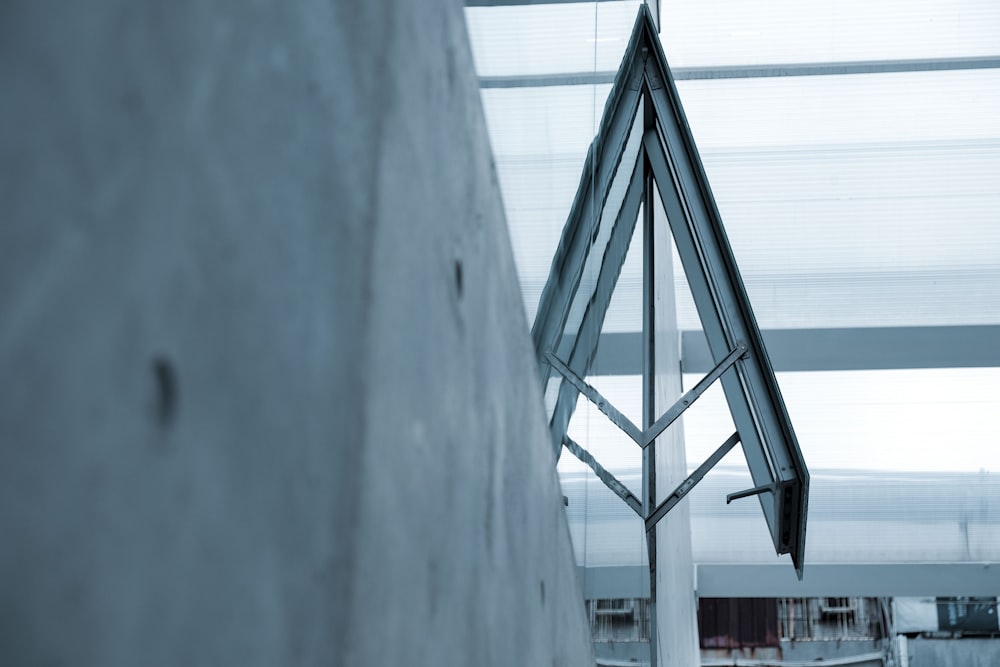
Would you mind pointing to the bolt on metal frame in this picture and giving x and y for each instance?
(585, 270)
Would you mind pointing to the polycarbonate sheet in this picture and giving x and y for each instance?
(848, 200)
(914, 420)
(904, 469)
(815, 112)
(860, 517)
(549, 39)
(854, 517)
(867, 200)
(734, 32)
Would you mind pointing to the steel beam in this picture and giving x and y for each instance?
(691, 481)
(595, 397)
(849, 580)
(514, 3)
(743, 580)
(603, 474)
(751, 71)
(689, 397)
(832, 349)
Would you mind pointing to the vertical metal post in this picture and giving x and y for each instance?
(649, 378)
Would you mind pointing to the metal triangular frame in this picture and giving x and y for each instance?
(633, 158)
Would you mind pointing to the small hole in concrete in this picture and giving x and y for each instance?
(541, 586)
(458, 276)
(166, 391)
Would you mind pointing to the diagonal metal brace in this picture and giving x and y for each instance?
(603, 404)
(646, 438)
(609, 480)
(685, 487)
(685, 401)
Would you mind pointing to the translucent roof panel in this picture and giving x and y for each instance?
(913, 420)
(859, 517)
(858, 200)
(732, 32)
(849, 200)
(550, 39)
(843, 111)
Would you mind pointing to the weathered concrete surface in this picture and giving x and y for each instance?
(676, 604)
(269, 396)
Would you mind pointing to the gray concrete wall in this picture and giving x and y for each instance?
(269, 395)
(676, 604)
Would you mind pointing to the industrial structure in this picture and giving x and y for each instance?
(424, 333)
(820, 129)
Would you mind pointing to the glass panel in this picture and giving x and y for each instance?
(605, 530)
(545, 39)
(540, 138)
(597, 255)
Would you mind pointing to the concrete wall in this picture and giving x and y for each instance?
(269, 395)
(676, 604)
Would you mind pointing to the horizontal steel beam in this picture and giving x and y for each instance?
(615, 581)
(717, 580)
(850, 580)
(512, 3)
(878, 348)
(751, 71)
(655, 4)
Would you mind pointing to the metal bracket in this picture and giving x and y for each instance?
(609, 480)
(603, 404)
(756, 491)
(689, 483)
(685, 401)
(645, 438)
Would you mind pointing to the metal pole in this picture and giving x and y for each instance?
(649, 379)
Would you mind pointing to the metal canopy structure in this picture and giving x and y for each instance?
(644, 148)
(863, 214)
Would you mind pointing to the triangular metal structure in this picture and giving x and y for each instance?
(634, 157)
